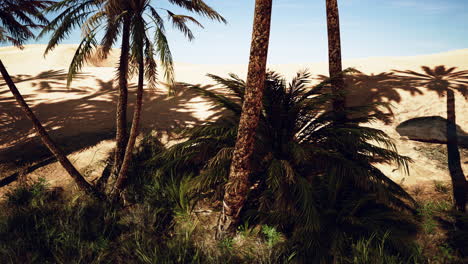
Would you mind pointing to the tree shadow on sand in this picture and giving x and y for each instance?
(47, 81)
(445, 82)
(380, 90)
(85, 121)
(78, 123)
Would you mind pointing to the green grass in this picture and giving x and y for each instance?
(442, 187)
(429, 210)
(40, 225)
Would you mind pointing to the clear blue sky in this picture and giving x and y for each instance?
(369, 28)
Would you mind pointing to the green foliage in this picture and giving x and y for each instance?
(147, 247)
(441, 187)
(446, 255)
(373, 250)
(428, 211)
(316, 194)
(272, 235)
(18, 18)
(315, 180)
(226, 244)
(245, 230)
(38, 227)
(33, 195)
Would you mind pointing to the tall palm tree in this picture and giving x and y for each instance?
(17, 18)
(237, 187)
(133, 20)
(90, 14)
(334, 57)
(444, 81)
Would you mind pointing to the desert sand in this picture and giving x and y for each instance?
(81, 118)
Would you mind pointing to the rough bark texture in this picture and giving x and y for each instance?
(59, 155)
(123, 174)
(237, 188)
(334, 57)
(459, 183)
(121, 118)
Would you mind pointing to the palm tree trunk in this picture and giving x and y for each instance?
(334, 58)
(123, 174)
(459, 183)
(61, 157)
(121, 118)
(237, 187)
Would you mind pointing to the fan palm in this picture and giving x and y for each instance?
(444, 81)
(133, 20)
(334, 56)
(315, 181)
(238, 185)
(17, 18)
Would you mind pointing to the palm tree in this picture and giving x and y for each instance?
(315, 182)
(444, 81)
(91, 14)
(17, 17)
(237, 187)
(334, 57)
(133, 19)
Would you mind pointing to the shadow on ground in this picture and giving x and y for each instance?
(78, 123)
(89, 117)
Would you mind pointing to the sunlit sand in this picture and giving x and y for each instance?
(81, 118)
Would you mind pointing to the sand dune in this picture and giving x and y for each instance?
(83, 115)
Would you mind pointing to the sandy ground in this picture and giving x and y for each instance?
(81, 118)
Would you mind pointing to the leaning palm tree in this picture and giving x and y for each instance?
(17, 18)
(444, 81)
(237, 187)
(334, 57)
(132, 20)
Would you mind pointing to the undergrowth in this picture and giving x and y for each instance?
(39, 224)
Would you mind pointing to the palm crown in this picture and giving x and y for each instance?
(19, 17)
(110, 16)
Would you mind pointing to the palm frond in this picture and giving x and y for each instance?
(180, 22)
(165, 56)
(82, 54)
(199, 7)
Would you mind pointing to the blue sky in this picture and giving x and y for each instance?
(369, 28)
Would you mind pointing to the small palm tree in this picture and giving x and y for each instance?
(444, 81)
(314, 181)
(133, 20)
(17, 17)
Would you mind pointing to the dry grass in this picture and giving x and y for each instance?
(437, 220)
